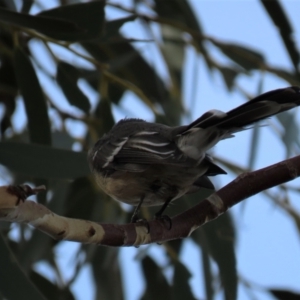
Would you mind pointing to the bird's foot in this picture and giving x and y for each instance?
(140, 222)
(165, 219)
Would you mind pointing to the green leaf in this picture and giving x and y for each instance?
(279, 18)
(112, 27)
(284, 294)
(26, 6)
(9, 90)
(88, 16)
(208, 274)
(220, 235)
(67, 77)
(14, 284)
(292, 78)
(35, 104)
(52, 291)
(181, 12)
(45, 25)
(9, 5)
(254, 150)
(181, 288)
(62, 140)
(36, 249)
(81, 191)
(290, 138)
(136, 71)
(174, 50)
(106, 273)
(43, 162)
(103, 113)
(255, 134)
(157, 285)
(245, 57)
(229, 76)
(60, 189)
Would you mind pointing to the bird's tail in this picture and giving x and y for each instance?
(214, 125)
(259, 108)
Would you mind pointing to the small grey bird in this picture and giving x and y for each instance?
(148, 164)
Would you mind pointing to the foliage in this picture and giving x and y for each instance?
(77, 47)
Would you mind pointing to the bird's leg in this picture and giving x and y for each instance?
(159, 215)
(163, 208)
(135, 216)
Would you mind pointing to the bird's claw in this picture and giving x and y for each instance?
(140, 222)
(167, 221)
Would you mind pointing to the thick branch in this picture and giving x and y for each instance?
(13, 208)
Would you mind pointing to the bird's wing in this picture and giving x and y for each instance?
(136, 152)
(150, 147)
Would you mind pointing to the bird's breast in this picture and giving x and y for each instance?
(156, 185)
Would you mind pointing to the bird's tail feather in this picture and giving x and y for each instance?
(214, 125)
(259, 108)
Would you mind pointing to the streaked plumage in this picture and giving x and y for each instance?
(152, 164)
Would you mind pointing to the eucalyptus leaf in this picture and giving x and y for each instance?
(39, 161)
(217, 235)
(157, 285)
(281, 21)
(247, 58)
(46, 25)
(107, 277)
(14, 283)
(89, 17)
(181, 288)
(35, 103)
(281, 294)
(112, 27)
(49, 289)
(67, 77)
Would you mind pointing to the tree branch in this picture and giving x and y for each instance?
(14, 208)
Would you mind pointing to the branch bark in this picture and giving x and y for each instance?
(14, 208)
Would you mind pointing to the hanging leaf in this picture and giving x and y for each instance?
(181, 288)
(49, 289)
(245, 57)
(14, 284)
(89, 17)
(35, 103)
(157, 285)
(111, 29)
(42, 161)
(279, 18)
(220, 235)
(67, 77)
(45, 25)
(284, 294)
